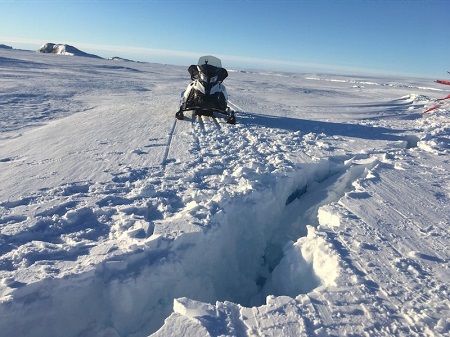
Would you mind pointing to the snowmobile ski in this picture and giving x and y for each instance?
(197, 111)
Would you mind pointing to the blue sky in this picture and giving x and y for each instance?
(349, 37)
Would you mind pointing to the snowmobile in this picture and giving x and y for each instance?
(206, 94)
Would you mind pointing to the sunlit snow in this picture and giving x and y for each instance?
(323, 212)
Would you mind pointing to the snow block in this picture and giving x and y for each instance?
(307, 264)
(192, 309)
(327, 218)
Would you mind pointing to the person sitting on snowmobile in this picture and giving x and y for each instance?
(206, 94)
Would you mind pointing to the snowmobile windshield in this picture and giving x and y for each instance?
(211, 60)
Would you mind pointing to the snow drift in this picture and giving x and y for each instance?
(324, 211)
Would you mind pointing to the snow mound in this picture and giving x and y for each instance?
(63, 49)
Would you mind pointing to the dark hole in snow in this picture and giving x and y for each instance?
(411, 141)
(296, 194)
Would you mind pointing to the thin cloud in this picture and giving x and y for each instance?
(181, 57)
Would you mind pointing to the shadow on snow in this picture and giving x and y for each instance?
(329, 128)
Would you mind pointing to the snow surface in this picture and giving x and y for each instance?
(323, 212)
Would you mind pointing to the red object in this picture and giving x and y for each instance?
(443, 82)
(441, 99)
(432, 108)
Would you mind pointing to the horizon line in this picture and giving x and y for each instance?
(267, 63)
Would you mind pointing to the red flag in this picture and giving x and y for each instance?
(441, 99)
(432, 108)
(443, 82)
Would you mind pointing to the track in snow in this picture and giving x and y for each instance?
(169, 143)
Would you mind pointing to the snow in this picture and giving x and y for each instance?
(323, 211)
